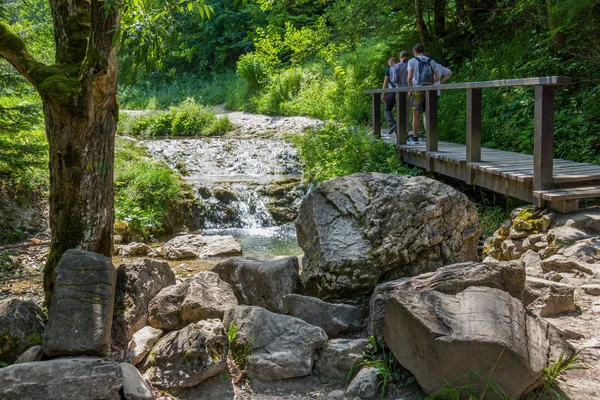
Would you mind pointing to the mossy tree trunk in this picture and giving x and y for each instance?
(80, 110)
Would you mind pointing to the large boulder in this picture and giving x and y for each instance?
(335, 319)
(80, 316)
(197, 246)
(63, 378)
(203, 296)
(137, 283)
(261, 280)
(186, 357)
(21, 326)
(282, 346)
(445, 338)
(369, 227)
(451, 279)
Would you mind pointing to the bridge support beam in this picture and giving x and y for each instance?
(431, 125)
(543, 140)
(377, 115)
(401, 118)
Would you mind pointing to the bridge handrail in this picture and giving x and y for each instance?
(539, 81)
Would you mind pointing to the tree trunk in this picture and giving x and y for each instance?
(421, 27)
(81, 181)
(461, 12)
(439, 18)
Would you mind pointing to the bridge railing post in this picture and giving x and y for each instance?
(377, 115)
(543, 140)
(473, 125)
(401, 118)
(431, 125)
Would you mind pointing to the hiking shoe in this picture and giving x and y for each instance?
(412, 141)
(423, 138)
(392, 130)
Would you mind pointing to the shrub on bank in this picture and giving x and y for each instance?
(186, 119)
(339, 150)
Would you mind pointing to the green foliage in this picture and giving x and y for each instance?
(239, 352)
(339, 150)
(146, 192)
(564, 363)
(186, 119)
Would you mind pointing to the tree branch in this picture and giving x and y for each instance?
(13, 49)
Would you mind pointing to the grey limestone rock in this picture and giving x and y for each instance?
(508, 276)
(197, 246)
(186, 357)
(203, 296)
(134, 386)
(141, 344)
(32, 354)
(335, 319)
(21, 326)
(81, 312)
(261, 280)
(63, 378)
(440, 338)
(137, 283)
(364, 385)
(282, 346)
(369, 227)
(339, 356)
(547, 298)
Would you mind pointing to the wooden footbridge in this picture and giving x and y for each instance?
(539, 178)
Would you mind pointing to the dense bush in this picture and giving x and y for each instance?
(339, 150)
(186, 119)
(146, 192)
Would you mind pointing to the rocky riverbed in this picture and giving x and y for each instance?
(302, 324)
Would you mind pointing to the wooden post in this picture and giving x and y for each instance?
(401, 118)
(432, 121)
(543, 140)
(473, 125)
(377, 115)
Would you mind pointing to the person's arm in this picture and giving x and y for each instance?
(436, 74)
(386, 83)
(410, 79)
(446, 74)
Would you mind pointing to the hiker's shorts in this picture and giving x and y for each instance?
(418, 101)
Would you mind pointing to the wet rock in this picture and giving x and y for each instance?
(361, 229)
(137, 283)
(364, 385)
(546, 298)
(63, 378)
(440, 338)
(261, 280)
(593, 289)
(335, 319)
(451, 279)
(197, 246)
(32, 354)
(186, 357)
(141, 344)
(80, 316)
(21, 326)
(203, 296)
(282, 346)
(339, 356)
(134, 386)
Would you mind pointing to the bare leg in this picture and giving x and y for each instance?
(415, 124)
(425, 119)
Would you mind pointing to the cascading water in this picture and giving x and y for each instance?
(249, 187)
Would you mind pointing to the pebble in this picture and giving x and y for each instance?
(593, 289)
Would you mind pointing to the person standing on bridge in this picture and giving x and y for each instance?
(422, 71)
(396, 75)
